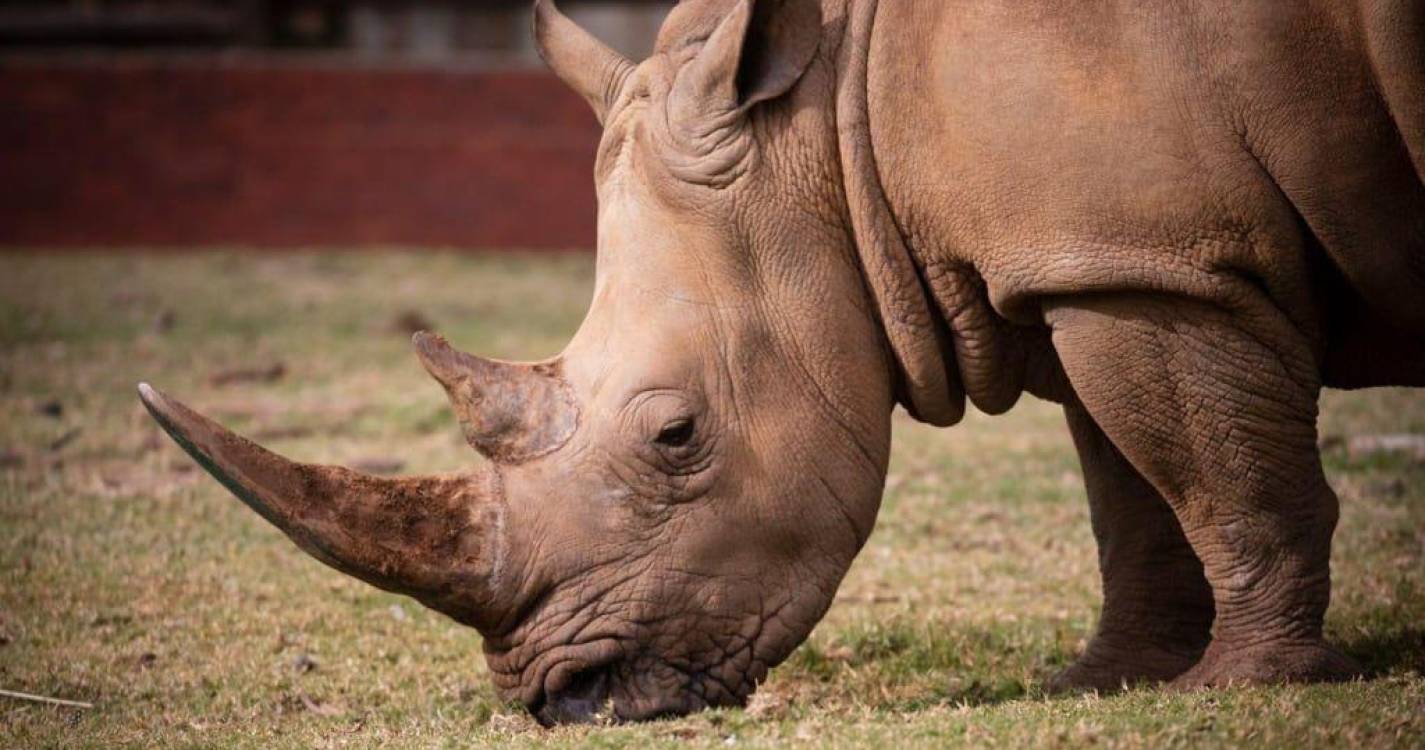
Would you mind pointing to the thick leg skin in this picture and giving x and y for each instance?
(1218, 412)
(1157, 605)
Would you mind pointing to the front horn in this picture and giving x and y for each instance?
(438, 538)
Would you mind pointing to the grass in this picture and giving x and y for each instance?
(131, 580)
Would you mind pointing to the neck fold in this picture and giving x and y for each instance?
(928, 386)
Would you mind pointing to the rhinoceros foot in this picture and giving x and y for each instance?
(1112, 663)
(1311, 660)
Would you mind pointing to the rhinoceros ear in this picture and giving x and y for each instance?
(756, 52)
(593, 70)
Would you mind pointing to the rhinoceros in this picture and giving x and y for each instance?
(1179, 220)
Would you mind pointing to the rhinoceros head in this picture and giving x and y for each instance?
(666, 508)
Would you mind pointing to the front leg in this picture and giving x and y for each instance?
(1157, 606)
(1218, 412)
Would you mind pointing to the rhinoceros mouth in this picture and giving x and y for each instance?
(584, 700)
(613, 672)
(568, 684)
(621, 690)
(604, 695)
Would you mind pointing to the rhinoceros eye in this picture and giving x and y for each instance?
(676, 434)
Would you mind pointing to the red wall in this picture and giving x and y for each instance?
(198, 151)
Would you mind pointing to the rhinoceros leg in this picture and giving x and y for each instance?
(1157, 606)
(1218, 412)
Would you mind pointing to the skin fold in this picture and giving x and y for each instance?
(1214, 210)
(1180, 223)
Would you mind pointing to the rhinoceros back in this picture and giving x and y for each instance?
(1234, 153)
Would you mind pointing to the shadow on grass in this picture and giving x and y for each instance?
(903, 665)
(911, 665)
(1393, 649)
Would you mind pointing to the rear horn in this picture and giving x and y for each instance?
(512, 412)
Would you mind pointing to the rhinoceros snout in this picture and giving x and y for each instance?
(584, 701)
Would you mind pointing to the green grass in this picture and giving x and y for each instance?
(132, 580)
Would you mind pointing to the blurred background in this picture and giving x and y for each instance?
(296, 123)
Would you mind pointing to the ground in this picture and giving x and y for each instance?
(132, 581)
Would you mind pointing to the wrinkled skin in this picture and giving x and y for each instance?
(729, 401)
(1198, 215)
(1179, 223)
(734, 428)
